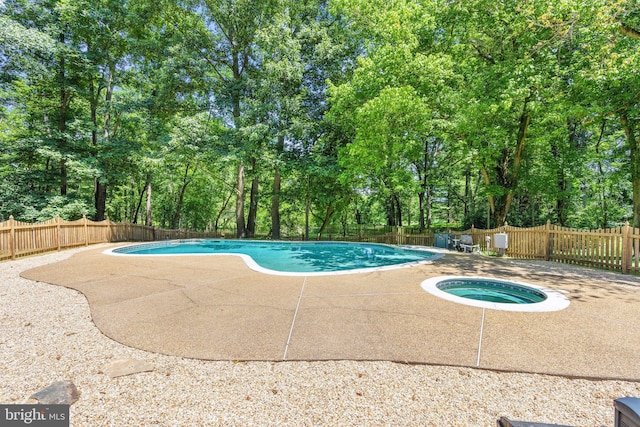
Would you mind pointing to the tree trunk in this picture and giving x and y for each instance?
(601, 180)
(394, 212)
(391, 213)
(240, 225)
(562, 206)
(429, 203)
(175, 219)
(100, 197)
(507, 172)
(94, 141)
(221, 211)
(398, 210)
(101, 182)
(236, 94)
(275, 198)
(467, 196)
(422, 176)
(63, 177)
(275, 206)
(148, 219)
(307, 210)
(99, 188)
(502, 209)
(62, 121)
(136, 213)
(327, 217)
(421, 216)
(562, 200)
(253, 201)
(632, 144)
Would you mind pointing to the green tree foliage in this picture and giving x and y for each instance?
(278, 117)
(43, 143)
(400, 105)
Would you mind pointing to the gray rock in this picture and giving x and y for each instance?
(122, 367)
(59, 393)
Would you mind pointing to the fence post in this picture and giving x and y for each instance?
(109, 233)
(510, 240)
(547, 241)
(58, 237)
(86, 230)
(626, 248)
(12, 237)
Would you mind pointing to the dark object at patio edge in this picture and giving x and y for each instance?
(506, 422)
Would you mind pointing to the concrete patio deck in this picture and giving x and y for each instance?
(217, 308)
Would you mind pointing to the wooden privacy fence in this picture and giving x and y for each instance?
(19, 239)
(615, 249)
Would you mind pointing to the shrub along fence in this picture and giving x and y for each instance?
(615, 249)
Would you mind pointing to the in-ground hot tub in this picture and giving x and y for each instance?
(496, 294)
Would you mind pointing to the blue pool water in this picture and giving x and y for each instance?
(291, 257)
(492, 290)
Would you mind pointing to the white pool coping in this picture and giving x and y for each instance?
(253, 265)
(555, 301)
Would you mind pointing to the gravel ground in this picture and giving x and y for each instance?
(46, 335)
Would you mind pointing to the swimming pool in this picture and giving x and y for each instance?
(292, 258)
